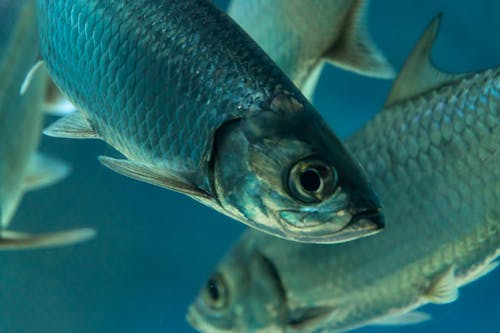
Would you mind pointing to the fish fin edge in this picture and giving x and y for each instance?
(30, 75)
(72, 126)
(8, 207)
(443, 289)
(419, 74)
(151, 175)
(482, 271)
(406, 318)
(13, 240)
(355, 50)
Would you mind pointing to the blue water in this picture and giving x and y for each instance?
(155, 248)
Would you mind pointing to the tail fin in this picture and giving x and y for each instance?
(13, 240)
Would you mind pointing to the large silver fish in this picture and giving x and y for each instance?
(197, 107)
(302, 35)
(434, 156)
(21, 117)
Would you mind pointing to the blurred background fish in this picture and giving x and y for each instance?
(434, 155)
(21, 117)
(301, 36)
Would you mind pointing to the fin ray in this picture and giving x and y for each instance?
(418, 74)
(406, 318)
(444, 289)
(29, 77)
(13, 240)
(355, 49)
(151, 175)
(72, 126)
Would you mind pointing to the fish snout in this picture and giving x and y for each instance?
(328, 225)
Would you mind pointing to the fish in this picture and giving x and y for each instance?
(433, 154)
(301, 36)
(196, 106)
(21, 118)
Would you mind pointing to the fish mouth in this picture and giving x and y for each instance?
(366, 222)
(192, 318)
(363, 223)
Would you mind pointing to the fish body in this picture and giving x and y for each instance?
(21, 117)
(434, 158)
(302, 35)
(196, 106)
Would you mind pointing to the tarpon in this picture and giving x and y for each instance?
(433, 154)
(303, 35)
(21, 119)
(196, 106)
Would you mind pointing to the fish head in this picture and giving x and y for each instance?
(284, 172)
(244, 294)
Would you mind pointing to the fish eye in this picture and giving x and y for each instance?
(311, 180)
(216, 293)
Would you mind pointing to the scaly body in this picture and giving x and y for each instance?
(301, 35)
(434, 159)
(193, 103)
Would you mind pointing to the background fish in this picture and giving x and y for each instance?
(302, 35)
(434, 155)
(197, 107)
(21, 118)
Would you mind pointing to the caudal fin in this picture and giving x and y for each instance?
(13, 240)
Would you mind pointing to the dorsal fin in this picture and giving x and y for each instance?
(419, 75)
(355, 49)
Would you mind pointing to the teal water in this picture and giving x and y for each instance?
(155, 248)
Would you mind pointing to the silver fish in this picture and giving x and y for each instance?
(434, 156)
(197, 107)
(302, 35)
(21, 117)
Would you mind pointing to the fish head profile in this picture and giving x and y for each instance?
(244, 294)
(293, 176)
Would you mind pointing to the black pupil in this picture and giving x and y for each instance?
(213, 290)
(310, 180)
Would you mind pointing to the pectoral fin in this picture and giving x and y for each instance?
(44, 171)
(407, 318)
(12, 240)
(355, 50)
(419, 75)
(306, 319)
(154, 176)
(444, 288)
(72, 126)
(30, 75)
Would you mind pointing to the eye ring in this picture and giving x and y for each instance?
(216, 294)
(311, 180)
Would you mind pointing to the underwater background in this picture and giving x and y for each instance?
(156, 248)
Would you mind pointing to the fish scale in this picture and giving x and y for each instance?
(442, 205)
(138, 107)
(466, 233)
(187, 96)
